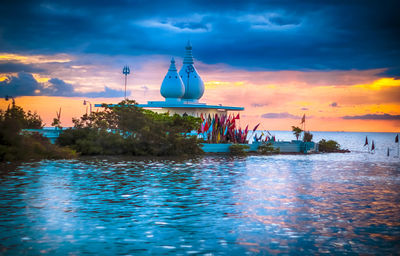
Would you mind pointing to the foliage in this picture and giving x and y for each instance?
(127, 129)
(57, 120)
(34, 147)
(16, 145)
(297, 131)
(13, 120)
(328, 146)
(17, 119)
(307, 136)
(238, 149)
(267, 148)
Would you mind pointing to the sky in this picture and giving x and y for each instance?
(337, 62)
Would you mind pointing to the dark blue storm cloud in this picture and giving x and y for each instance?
(257, 35)
(15, 67)
(24, 84)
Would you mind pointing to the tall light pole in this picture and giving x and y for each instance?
(10, 97)
(126, 71)
(85, 102)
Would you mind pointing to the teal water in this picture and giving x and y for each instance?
(215, 205)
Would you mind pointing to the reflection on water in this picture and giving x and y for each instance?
(219, 205)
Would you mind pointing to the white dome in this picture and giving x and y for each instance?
(194, 85)
(172, 85)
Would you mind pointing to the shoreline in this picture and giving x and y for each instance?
(158, 158)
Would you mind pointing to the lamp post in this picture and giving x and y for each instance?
(85, 102)
(10, 97)
(126, 71)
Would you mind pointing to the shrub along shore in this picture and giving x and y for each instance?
(123, 129)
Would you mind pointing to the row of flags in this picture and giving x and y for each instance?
(372, 145)
(223, 129)
(396, 140)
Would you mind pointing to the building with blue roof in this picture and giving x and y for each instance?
(182, 91)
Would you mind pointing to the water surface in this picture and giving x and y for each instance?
(284, 204)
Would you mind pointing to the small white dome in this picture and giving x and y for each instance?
(172, 85)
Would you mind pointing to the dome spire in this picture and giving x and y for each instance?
(172, 67)
(172, 87)
(194, 85)
(188, 58)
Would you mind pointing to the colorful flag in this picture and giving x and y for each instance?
(255, 128)
(303, 119)
(396, 140)
(366, 141)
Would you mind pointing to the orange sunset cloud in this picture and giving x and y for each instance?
(331, 100)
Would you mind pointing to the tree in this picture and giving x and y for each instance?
(23, 145)
(296, 131)
(307, 136)
(328, 146)
(57, 120)
(128, 129)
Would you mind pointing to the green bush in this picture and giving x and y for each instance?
(127, 129)
(307, 136)
(238, 149)
(34, 147)
(18, 145)
(328, 146)
(267, 148)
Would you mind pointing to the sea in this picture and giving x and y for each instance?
(336, 203)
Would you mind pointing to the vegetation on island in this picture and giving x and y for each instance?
(122, 129)
(296, 131)
(307, 136)
(238, 149)
(18, 145)
(328, 146)
(126, 129)
(267, 149)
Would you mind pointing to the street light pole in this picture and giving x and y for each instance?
(126, 71)
(10, 97)
(85, 102)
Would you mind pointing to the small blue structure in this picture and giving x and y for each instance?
(49, 132)
(294, 146)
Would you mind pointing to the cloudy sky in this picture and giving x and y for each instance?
(338, 62)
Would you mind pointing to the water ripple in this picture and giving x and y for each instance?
(212, 205)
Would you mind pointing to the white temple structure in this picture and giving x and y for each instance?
(183, 90)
